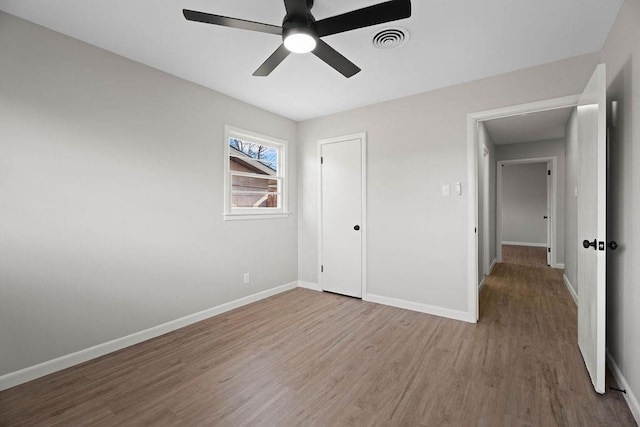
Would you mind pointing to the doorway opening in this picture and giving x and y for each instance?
(587, 142)
(526, 210)
(510, 136)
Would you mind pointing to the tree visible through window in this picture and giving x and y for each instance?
(255, 173)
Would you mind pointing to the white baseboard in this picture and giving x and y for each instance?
(481, 285)
(559, 265)
(309, 285)
(570, 288)
(493, 264)
(31, 373)
(408, 305)
(535, 245)
(423, 308)
(629, 396)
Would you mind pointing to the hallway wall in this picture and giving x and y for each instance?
(486, 201)
(571, 242)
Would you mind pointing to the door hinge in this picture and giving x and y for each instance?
(322, 269)
(549, 250)
(549, 172)
(321, 160)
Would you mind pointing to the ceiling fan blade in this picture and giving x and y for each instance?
(296, 7)
(272, 62)
(335, 59)
(225, 21)
(365, 17)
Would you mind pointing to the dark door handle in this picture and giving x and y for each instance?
(545, 217)
(586, 244)
(613, 245)
(357, 227)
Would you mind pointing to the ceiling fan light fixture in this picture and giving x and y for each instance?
(299, 40)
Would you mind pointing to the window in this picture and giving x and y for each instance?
(254, 175)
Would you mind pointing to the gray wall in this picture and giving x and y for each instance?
(111, 199)
(417, 239)
(524, 203)
(621, 53)
(486, 201)
(552, 148)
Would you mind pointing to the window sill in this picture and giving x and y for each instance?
(252, 216)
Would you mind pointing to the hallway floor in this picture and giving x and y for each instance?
(528, 304)
(524, 255)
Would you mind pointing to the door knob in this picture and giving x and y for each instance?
(586, 244)
(357, 227)
(613, 245)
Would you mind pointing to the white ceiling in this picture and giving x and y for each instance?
(452, 41)
(540, 126)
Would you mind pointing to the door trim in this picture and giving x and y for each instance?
(552, 209)
(362, 136)
(472, 172)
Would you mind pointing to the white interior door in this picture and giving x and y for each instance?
(592, 154)
(341, 211)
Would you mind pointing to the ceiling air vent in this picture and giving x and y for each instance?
(390, 38)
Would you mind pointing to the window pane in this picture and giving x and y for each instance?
(255, 155)
(254, 200)
(249, 183)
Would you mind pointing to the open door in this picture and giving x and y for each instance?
(592, 201)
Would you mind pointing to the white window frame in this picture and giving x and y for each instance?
(282, 211)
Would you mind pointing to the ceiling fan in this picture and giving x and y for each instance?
(301, 32)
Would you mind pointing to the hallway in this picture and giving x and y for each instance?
(530, 308)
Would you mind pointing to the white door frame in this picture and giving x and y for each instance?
(472, 171)
(550, 209)
(362, 136)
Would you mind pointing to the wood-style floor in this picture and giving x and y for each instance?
(304, 358)
(524, 255)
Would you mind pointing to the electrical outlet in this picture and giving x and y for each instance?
(247, 278)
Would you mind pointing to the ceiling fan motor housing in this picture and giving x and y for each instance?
(297, 23)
